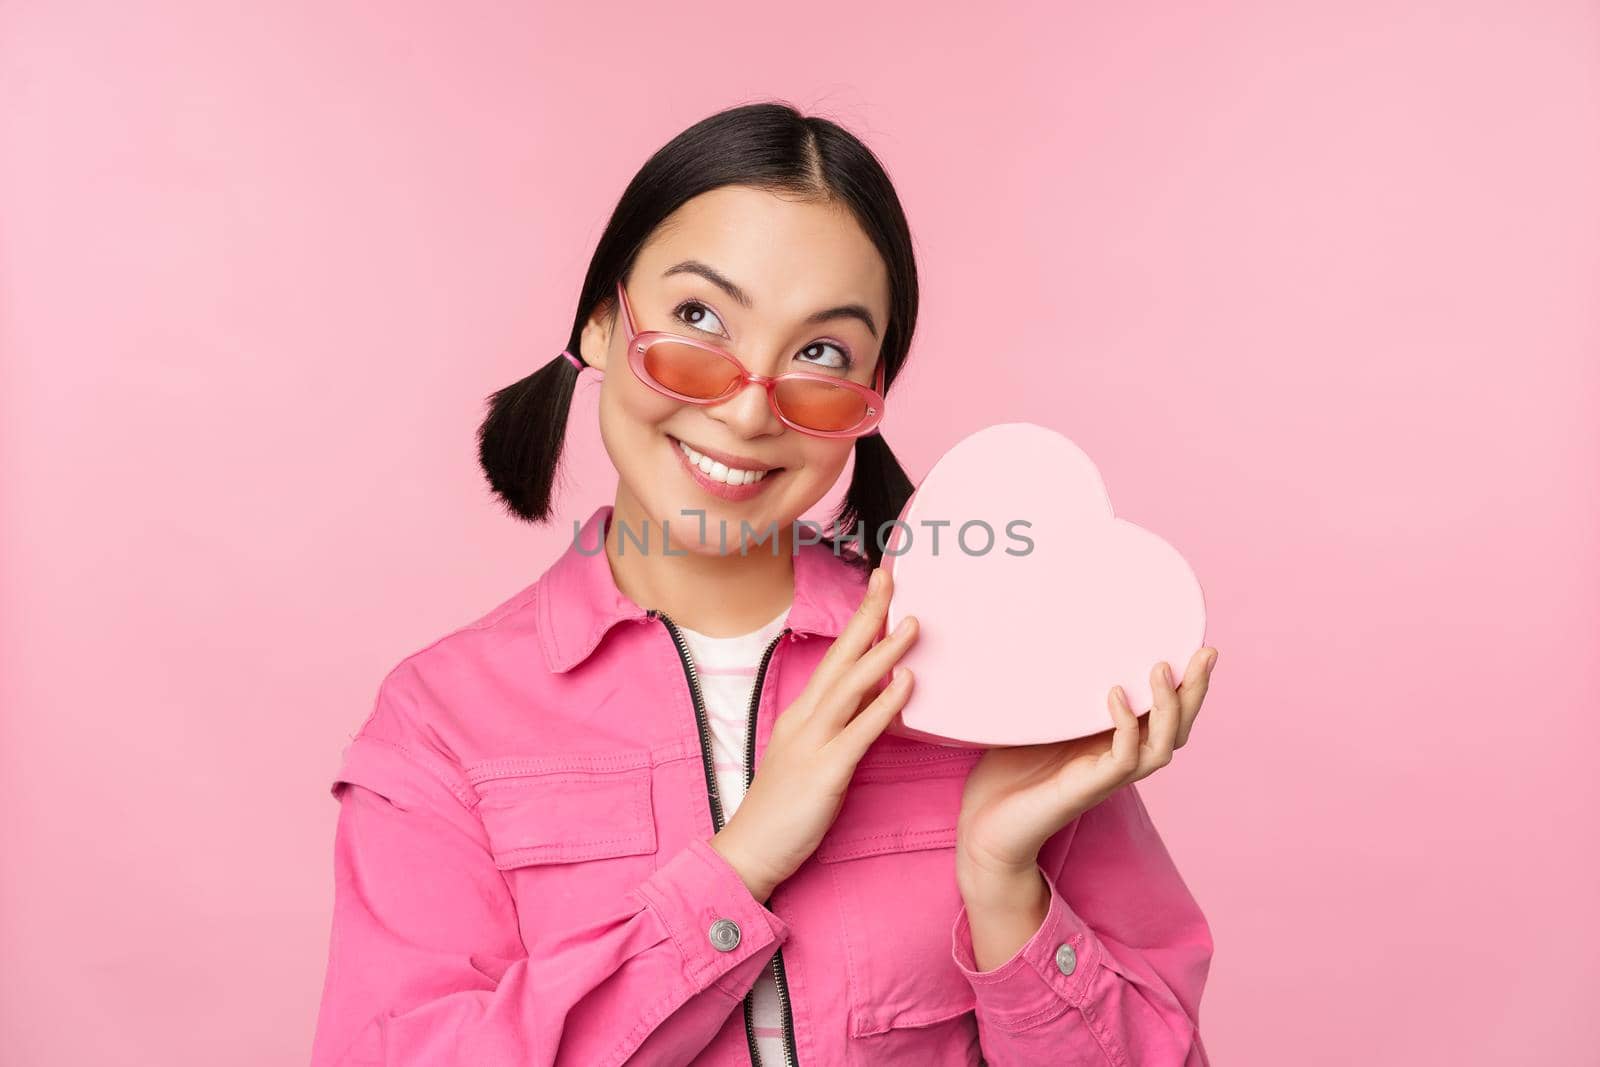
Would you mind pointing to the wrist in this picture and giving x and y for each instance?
(727, 845)
(998, 886)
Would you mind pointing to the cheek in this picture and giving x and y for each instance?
(629, 421)
(816, 490)
(628, 408)
(825, 458)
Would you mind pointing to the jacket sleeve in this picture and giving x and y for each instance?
(426, 964)
(1114, 973)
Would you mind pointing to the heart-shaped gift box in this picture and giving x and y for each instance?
(1032, 597)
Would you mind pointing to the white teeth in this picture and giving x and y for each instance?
(721, 472)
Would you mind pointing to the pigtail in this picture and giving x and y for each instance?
(520, 440)
(878, 491)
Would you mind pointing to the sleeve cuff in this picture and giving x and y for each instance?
(691, 892)
(1032, 985)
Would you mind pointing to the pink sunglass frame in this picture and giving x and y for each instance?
(639, 342)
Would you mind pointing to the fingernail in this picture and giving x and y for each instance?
(1167, 667)
(1211, 663)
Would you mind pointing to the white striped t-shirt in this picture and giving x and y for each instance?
(726, 667)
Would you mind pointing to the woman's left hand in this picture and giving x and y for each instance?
(1017, 797)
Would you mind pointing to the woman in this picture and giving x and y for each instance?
(645, 811)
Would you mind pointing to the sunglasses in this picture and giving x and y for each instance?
(698, 372)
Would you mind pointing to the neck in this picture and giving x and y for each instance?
(703, 585)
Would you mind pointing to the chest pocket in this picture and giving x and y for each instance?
(573, 833)
(891, 853)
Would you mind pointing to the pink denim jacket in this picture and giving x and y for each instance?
(523, 876)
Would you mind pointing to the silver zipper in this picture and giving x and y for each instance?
(790, 1056)
(780, 979)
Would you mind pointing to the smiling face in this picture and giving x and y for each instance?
(748, 271)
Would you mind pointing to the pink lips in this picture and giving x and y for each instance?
(715, 488)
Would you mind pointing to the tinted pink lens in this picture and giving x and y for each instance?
(820, 405)
(690, 371)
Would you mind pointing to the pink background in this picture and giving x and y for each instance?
(1314, 284)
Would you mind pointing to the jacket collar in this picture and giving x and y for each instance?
(578, 601)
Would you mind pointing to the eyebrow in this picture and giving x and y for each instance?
(715, 277)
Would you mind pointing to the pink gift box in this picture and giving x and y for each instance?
(1033, 598)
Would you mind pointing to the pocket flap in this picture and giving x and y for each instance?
(891, 833)
(567, 815)
(899, 800)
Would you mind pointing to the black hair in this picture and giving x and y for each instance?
(767, 146)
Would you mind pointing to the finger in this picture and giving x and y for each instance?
(1166, 716)
(1117, 766)
(1125, 742)
(861, 679)
(858, 634)
(859, 733)
(1193, 691)
(1196, 679)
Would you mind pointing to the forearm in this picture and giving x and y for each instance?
(1112, 977)
(1005, 909)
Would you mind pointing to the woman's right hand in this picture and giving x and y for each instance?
(816, 743)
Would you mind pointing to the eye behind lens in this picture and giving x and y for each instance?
(690, 370)
(827, 406)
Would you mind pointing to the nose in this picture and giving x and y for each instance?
(747, 412)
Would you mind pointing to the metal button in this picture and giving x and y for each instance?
(725, 935)
(1066, 959)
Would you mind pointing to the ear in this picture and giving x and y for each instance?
(594, 344)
